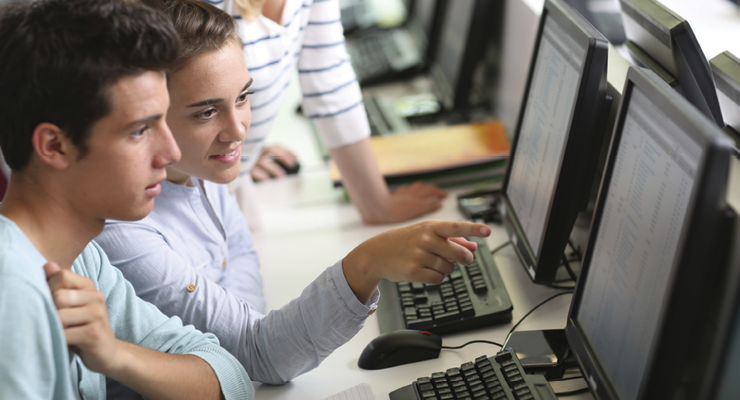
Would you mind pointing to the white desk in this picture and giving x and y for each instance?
(310, 230)
(308, 226)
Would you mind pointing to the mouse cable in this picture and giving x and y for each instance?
(494, 251)
(536, 307)
(471, 342)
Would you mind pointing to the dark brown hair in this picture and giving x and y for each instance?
(58, 59)
(200, 26)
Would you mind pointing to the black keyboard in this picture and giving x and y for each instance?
(380, 56)
(368, 56)
(495, 378)
(470, 297)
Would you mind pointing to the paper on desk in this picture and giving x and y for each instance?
(359, 392)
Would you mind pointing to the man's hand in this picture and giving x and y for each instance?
(421, 252)
(84, 315)
(267, 168)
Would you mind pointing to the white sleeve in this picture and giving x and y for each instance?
(331, 93)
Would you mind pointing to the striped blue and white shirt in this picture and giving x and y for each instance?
(309, 36)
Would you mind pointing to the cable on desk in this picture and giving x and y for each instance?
(536, 307)
(471, 342)
(500, 247)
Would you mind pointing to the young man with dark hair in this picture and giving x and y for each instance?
(82, 104)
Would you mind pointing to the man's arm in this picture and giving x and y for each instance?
(156, 375)
(370, 194)
(34, 362)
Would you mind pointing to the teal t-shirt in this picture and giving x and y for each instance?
(35, 363)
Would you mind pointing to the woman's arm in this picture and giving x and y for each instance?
(370, 194)
(333, 101)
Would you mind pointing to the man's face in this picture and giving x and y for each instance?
(127, 152)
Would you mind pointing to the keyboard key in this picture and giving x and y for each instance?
(426, 387)
(420, 324)
(447, 317)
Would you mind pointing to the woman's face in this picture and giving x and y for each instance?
(209, 115)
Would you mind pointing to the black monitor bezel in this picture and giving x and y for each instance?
(727, 322)
(726, 71)
(427, 41)
(476, 38)
(673, 337)
(583, 143)
(694, 77)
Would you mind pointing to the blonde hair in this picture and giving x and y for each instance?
(250, 9)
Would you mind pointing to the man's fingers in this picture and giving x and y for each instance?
(66, 279)
(79, 316)
(68, 298)
(84, 335)
(51, 268)
(449, 229)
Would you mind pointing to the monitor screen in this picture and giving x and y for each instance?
(547, 114)
(466, 27)
(556, 145)
(645, 210)
(648, 271)
(453, 40)
(424, 14)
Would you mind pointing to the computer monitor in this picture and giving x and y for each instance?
(659, 39)
(425, 18)
(466, 27)
(726, 71)
(655, 255)
(720, 382)
(556, 144)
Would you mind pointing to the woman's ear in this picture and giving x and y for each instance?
(52, 146)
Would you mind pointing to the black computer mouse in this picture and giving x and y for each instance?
(288, 170)
(398, 348)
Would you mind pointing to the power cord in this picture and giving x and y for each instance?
(536, 307)
(471, 342)
(494, 251)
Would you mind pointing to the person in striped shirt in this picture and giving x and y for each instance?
(280, 35)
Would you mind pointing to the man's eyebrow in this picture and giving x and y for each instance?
(144, 121)
(217, 100)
